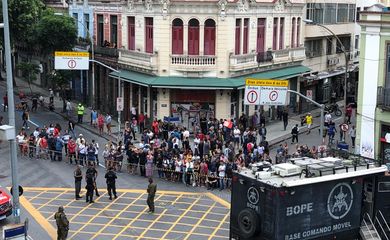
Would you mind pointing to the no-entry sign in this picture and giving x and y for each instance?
(71, 60)
(252, 95)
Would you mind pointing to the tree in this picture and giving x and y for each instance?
(29, 72)
(23, 15)
(60, 81)
(55, 32)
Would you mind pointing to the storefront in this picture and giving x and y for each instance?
(385, 143)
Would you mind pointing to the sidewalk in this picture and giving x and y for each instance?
(275, 132)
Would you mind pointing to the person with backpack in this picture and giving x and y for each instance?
(110, 180)
(91, 154)
(294, 133)
(59, 146)
(51, 142)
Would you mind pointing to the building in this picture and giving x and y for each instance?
(325, 54)
(189, 58)
(373, 121)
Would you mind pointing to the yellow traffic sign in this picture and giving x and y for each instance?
(266, 82)
(71, 54)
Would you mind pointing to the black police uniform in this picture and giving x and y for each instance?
(110, 180)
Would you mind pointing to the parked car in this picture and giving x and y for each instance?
(5, 203)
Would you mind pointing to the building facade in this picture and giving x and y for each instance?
(373, 121)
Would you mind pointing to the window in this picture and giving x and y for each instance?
(149, 35)
(383, 186)
(281, 33)
(298, 32)
(237, 48)
(275, 35)
(293, 26)
(315, 12)
(131, 32)
(330, 13)
(86, 25)
(193, 37)
(246, 36)
(100, 30)
(76, 17)
(177, 36)
(209, 37)
(342, 13)
(329, 46)
(346, 41)
(351, 12)
(313, 48)
(114, 30)
(260, 35)
(356, 42)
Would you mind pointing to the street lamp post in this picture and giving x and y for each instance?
(11, 115)
(308, 21)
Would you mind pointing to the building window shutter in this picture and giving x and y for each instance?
(281, 33)
(193, 37)
(237, 48)
(293, 25)
(177, 36)
(131, 33)
(149, 35)
(246, 36)
(209, 37)
(275, 35)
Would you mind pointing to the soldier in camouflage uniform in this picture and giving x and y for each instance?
(62, 224)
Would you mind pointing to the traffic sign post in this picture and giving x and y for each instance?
(252, 95)
(344, 127)
(119, 104)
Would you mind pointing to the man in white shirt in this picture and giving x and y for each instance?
(237, 136)
(186, 133)
(328, 118)
(221, 175)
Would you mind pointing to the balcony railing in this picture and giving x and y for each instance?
(138, 59)
(193, 60)
(383, 98)
(106, 51)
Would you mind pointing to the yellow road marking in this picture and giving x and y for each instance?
(199, 221)
(36, 196)
(90, 220)
(135, 219)
(158, 218)
(219, 226)
(123, 210)
(53, 199)
(39, 218)
(181, 216)
(218, 199)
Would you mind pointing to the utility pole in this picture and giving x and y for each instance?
(11, 115)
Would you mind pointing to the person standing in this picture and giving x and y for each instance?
(352, 134)
(221, 175)
(90, 185)
(328, 119)
(152, 189)
(94, 116)
(68, 108)
(51, 95)
(100, 123)
(294, 133)
(78, 176)
(71, 128)
(80, 113)
(348, 113)
(62, 224)
(285, 119)
(141, 121)
(92, 172)
(108, 121)
(25, 118)
(262, 132)
(309, 122)
(34, 103)
(5, 103)
(110, 180)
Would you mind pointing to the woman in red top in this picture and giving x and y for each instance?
(155, 127)
(100, 121)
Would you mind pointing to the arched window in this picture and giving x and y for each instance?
(293, 26)
(209, 37)
(193, 37)
(177, 36)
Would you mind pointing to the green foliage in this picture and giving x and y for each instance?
(29, 71)
(23, 15)
(60, 78)
(55, 33)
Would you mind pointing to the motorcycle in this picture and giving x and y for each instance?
(333, 108)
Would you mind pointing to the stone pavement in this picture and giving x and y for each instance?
(275, 133)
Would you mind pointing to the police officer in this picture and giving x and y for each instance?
(110, 180)
(90, 187)
(78, 176)
(62, 224)
(152, 188)
(80, 113)
(93, 173)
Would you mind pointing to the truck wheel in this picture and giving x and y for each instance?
(248, 223)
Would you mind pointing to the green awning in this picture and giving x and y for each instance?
(207, 82)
